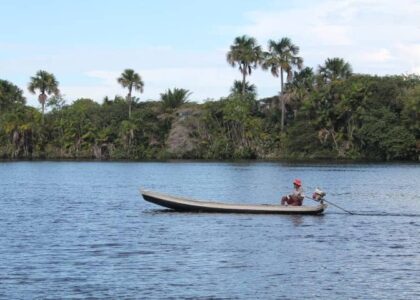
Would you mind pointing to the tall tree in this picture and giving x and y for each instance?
(46, 84)
(245, 53)
(282, 57)
(174, 98)
(335, 68)
(130, 79)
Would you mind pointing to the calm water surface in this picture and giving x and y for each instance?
(80, 230)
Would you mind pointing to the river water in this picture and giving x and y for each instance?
(81, 230)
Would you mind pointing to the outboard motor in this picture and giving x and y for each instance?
(318, 195)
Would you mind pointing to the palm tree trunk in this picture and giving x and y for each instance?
(129, 103)
(129, 107)
(281, 101)
(43, 108)
(42, 98)
(243, 80)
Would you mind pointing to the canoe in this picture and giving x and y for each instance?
(185, 204)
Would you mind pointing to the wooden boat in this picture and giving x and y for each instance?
(184, 204)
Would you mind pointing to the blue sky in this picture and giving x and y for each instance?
(183, 43)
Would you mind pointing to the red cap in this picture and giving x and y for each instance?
(297, 182)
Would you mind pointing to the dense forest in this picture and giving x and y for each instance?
(327, 113)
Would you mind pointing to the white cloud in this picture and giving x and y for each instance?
(410, 53)
(335, 35)
(107, 77)
(375, 36)
(381, 55)
(370, 34)
(319, 24)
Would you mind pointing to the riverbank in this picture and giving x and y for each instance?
(360, 118)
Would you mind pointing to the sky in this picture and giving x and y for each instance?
(87, 44)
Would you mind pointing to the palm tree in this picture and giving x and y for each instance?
(173, 99)
(282, 57)
(127, 134)
(335, 68)
(299, 88)
(246, 53)
(305, 78)
(46, 84)
(130, 79)
(238, 88)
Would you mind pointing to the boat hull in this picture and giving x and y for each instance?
(185, 204)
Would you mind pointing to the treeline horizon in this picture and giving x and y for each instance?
(329, 113)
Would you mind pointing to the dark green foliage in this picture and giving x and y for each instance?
(18, 129)
(10, 96)
(360, 117)
(363, 117)
(303, 141)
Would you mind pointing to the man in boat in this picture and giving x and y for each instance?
(296, 197)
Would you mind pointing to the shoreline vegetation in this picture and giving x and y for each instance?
(329, 113)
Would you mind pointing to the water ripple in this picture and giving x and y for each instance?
(80, 230)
